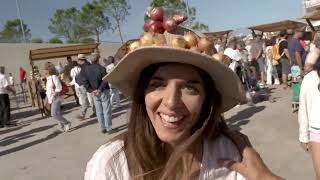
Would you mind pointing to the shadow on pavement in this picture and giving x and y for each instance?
(27, 145)
(241, 118)
(87, 123)
(25, 114)
(13, 129)
(25, 135)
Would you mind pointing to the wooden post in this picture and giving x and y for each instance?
(310, 24)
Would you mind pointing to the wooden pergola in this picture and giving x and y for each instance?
(312, 16)
(217, 35)
(277, 26)
(37, 55)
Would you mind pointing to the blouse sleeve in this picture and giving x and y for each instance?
(104, 165)
(303, 112)
(57, 83)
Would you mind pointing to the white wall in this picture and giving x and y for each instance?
(12, 56)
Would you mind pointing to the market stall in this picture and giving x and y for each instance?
(277, 26)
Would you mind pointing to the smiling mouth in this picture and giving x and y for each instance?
(171, 122)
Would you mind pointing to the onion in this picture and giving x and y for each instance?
(195, 48)
(157, 27)
(134, 45)
(146, 39)
(148, 24)
(191, 39)
(157, 14)
(178, 42)
(170, 25)
(179, 18)
(204, 45)
(159, 39)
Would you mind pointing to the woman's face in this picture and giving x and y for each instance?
(173, 100)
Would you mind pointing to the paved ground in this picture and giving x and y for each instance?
(34, 151)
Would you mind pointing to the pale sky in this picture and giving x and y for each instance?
(218, 14)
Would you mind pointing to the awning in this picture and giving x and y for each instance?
(64, 51)
(217, 34)
(313, 15)
(278, 26)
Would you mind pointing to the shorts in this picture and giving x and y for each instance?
(314, 137)
(285, 66)
(262, 65)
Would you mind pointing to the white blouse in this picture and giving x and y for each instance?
(53, 85)
(105, 166)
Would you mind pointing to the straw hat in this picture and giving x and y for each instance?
(82, 56)
(127, 72)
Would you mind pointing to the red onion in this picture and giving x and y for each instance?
(148, 24)
(169, 25)
(157, 14)
(157, 27)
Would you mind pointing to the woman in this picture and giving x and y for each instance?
(53, 89)
(175, 129)
(271, 64)
(309, 124)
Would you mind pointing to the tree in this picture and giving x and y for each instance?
(200, 27)
(66, 23)
(116, 10)
(55, 41)
(93, 19)
(12, 32)
(180, 7)
(87, 40)
(37, 40)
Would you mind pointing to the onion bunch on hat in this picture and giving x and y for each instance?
(179, 46)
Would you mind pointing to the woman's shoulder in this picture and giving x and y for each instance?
(108, 162)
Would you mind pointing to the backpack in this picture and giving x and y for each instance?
(275, 51)
(64, 89)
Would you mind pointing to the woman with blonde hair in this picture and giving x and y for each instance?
(175, 128)
(53, 89)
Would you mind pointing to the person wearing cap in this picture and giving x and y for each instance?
(284, 57)
(91, 78)
(296, 50)
(175, 128)
(79, 88)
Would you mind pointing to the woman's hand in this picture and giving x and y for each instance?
(251, 166)
(305, 147)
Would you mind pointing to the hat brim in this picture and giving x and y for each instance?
(127, 72)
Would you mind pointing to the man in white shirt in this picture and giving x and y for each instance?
(5, 87)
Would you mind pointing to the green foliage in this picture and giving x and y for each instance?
(12, 32)
(87, 40)
(200, 27)
(55, 41)
(93, 19)
(73, 41)
(180, 7)
(116, 11)
(66, 23)
(37, 40)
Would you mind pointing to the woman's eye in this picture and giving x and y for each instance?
(190, 89)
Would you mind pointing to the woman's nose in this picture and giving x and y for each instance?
(172, 96)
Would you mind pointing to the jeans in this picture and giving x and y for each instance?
(272, 73)
(4, 109)
(103, 109)
(56, 112)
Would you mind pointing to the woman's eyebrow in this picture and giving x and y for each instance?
(193, 82)
(157, 78)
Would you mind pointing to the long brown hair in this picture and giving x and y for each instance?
(146, 155)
